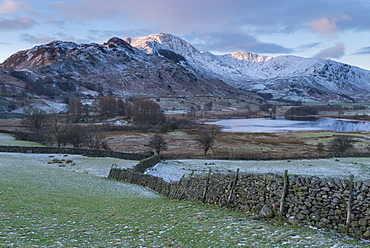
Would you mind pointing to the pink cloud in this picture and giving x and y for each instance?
(216, 15)
(327, 27)
(334, 52)
(11, 7)
(8, 7)
(174, 16)
(324, 26)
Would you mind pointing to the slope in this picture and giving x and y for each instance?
(287, 77)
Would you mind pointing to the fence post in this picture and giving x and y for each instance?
(178, 188)
(186, 185)
(185, 188)
(206, 187)
(283, 194)
(349, 206)
(132, 176)
(169, 190)
(233, 184)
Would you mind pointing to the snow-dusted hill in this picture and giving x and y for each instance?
(61, 70)
(166, 65)
(288, 77)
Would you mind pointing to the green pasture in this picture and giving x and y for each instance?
(43, 205)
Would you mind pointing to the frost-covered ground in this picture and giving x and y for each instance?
(90, 165)
(44, 206)
(98, 167)
(173, 170)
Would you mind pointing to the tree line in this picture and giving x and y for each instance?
(74, 126)
(140, 110)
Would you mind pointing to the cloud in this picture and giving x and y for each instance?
(231, 42)
(324, 26)
(173, 16)
(8, 7)
(364, 50)
(17, 23)
(327, 27)
(264, 16)
(36, 39)
(42, 39)
(104, 35)
(305, 47)
(334, 52)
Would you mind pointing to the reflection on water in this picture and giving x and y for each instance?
(267, 125)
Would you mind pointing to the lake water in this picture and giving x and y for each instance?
(280, 124)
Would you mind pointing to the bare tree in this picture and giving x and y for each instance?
(83, 136)
(146, 111)
(35, 119)
(75, 109)
(56, 127)
(75, 134)
(341, 143)
(157, 143)
(206, 139)
(95, 140)
(108, 106)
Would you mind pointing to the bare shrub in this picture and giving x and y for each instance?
(206, 139)
(35, 119)
(341, 143)
(157, 143)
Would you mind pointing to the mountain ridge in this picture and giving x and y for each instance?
(254, 72)
(61, 70)
(166, 65)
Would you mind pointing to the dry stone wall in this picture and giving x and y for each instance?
(68, 150)
(147, 163)
(321, 202)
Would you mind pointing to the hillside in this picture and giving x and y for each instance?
(60, 70)
(166, 66)
(287, 77)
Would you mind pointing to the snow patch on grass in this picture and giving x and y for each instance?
(173, 170)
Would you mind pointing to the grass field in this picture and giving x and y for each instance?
(8, 140)
(43, 205)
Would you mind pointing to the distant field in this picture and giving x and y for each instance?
(43, 205)
(8, 140)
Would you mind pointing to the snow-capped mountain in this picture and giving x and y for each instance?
(288, 77)
(166, 65)
(65, 69)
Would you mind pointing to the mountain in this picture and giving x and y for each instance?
(166, 66)
(286, 77)
(60, 70)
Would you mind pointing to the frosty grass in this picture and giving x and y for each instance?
(173, 170)
(44, 205)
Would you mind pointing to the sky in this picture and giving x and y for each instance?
(331, 29)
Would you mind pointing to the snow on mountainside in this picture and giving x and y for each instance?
(166, 65)
(206, 63)
(288, 77)
(60, 70)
